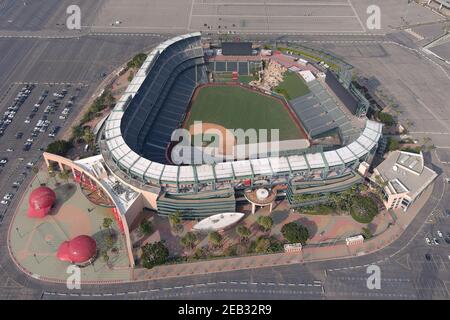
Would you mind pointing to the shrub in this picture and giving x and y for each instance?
(146, 227)
(215, 238)
(59, 147)
(367, 234)
(189, 240)
(137, 61)
(265, 222)
(393, 144)
(363, 209)
(243, 232)
(154, 254)
(266, 245)
(386, 118)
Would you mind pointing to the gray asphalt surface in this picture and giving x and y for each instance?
(32, 52)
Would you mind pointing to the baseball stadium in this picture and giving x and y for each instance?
(323, 143)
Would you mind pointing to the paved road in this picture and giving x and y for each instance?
(406, 272)
(414, 276)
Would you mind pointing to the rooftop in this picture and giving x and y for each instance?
(406, 172)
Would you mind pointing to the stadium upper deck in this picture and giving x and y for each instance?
(136, 142)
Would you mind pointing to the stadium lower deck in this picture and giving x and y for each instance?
(137, 133)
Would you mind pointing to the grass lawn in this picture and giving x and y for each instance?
(234, 107)
(293, 86)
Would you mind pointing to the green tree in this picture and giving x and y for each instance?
(362, 188)
(230, 251)
(215, 239)
(88, 136)
(59, 147)
(109, 99)
(77, 132)
(130, 76)
(109, 241)
(145, 227)
(262, 245)
(105, 256)
(200, 253)
(243, 232)
(154, 254)
(366, 233)
(344, 199)
(137, 61)
(107, 223)
(265, 222)
(188, 240)
(363, 209)
(386, 118)
(379, 186)
(64, 175)
(393, 144)
(295, 233)
(175, 219)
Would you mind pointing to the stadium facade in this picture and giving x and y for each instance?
(134, 172)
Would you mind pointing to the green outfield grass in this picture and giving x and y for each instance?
(234, 107)
(293, 86)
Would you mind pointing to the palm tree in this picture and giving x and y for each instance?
(189, 240)
(380, 184)
(334, 200)
(175, 219)
(265, 222)
(88, 136)
(243, 232)
(107, 223)
(215, 239)
(64, 175)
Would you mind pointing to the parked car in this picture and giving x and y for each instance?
(8, 196)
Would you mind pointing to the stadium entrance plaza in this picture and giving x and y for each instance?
(34, 242)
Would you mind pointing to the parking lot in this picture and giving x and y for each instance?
(31, 117)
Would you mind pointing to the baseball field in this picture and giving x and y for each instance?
(235, 107)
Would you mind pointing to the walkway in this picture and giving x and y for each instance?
(309, 253)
